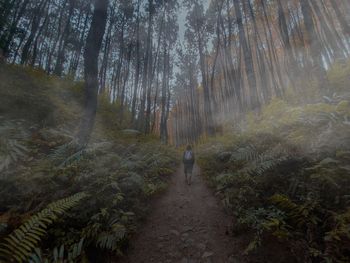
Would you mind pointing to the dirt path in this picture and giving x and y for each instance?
(187, 225)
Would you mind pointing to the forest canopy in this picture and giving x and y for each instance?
(226, 56)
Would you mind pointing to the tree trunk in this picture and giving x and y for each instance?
(92, 50)
(54, 45)
(163, 99)
(33, 31)
(145, 77)
(314, 43)
(75, 65)
(343, 23)
(35, 45)
(248, 59)
(7, 38)
(63, 42)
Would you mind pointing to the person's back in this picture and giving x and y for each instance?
(188, 160)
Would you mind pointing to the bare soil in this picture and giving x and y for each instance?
(187, 225)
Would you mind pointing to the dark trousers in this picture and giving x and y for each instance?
(188, 168)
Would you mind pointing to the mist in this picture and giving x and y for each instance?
(174, 131)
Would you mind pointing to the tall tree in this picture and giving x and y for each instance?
(248, 59)
(313, 42)
(196, 31)
(91, 53)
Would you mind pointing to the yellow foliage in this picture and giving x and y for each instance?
(338, 76)
(297, 137)
(309, 90)
(291, 95)
(318, 107)
(343, 107)
(289, 121)
(251, 120)
(276, 108)
(274, 115)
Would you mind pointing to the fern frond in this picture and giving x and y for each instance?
(12, 149)
(69, 153)
(21, 242)
(262, 166)
(110, 240)
(75, 157)
(58, 255)
(302, 215)
(248, 153)
(259, 163)
(64, 152)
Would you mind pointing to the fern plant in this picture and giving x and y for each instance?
(59, 255)
(338, 239)
(67, 154)
(110, 239)
(70, 153)
(301, 215)
(260, 162)
(108, 228)
(247, 153)
(12, 148)
(19, 245)
(261, 220)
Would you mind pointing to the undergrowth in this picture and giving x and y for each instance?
(60, 203)
(284, 175)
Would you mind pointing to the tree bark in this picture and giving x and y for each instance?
(33, 31)
(63, 42)
(313, 42)
(248, 59)
(92, 50)
(343, 23)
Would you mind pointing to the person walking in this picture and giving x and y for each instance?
(188, 161)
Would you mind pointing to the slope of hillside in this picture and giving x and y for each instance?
(80, 203)
(284, 175)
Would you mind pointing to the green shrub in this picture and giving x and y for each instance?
(285, 174)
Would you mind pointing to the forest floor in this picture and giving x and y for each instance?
(187, 224)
